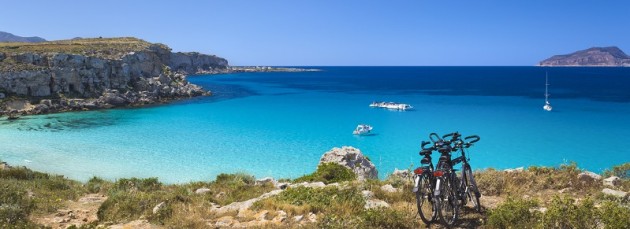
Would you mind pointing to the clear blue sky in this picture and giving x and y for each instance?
(348, 32)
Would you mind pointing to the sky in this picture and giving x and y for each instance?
(339, 33)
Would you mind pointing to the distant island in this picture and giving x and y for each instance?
(596, 56)
(8, 37)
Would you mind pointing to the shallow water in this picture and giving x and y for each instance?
(279, 124)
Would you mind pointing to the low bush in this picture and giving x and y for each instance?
(386, 218)
(137, 184)
(614, 216)
(96, 185)
(514, 213)
(15, 206)
(329, 173)
(329, 200)
(563, 213)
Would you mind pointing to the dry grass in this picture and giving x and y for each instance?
(109, 48)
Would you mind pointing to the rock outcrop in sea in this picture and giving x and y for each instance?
(353, 159)
(85, 74)
(597, 56)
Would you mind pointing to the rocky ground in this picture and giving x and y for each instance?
(341, 197)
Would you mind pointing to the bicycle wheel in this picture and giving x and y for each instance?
(424, 200)
(449, 205)
(473, 191)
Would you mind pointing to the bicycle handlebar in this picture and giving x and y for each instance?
(454, 136)
(424, 143)
(432, 135)
(474, 137)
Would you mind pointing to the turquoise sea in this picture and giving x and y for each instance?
(279, 124)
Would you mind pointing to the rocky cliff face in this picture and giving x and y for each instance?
(91, 77)
(598, 56)
(196, 63)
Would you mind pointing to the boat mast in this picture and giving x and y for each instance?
(546, 86)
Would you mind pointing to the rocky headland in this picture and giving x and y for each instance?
(97, 73)
(597, 56)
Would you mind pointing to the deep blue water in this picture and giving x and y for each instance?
(279, 124)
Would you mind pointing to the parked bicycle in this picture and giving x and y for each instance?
(452, 191)
(424, 183)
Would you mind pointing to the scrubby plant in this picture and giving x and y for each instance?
(15, 206)
(137, 184)
(96, 185)
(621, 171)
(386, 218)
(614, 216)
(329, 173)
(563, 213)
(514, 213)
(329, 200)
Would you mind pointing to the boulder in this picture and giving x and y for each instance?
(612, 181)
(159, 207)
(389, 188)
(519, 169)
(616, 193)
(353, 159)
(375, 203)
(202, 190)
(401, 173)
(587, 176)
(266, 180)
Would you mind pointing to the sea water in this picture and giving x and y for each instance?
(279, 124)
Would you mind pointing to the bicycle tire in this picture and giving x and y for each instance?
(473, 192)
(425, 200)
(449, 204)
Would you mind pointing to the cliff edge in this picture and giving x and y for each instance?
(85, 74)
(597, 56)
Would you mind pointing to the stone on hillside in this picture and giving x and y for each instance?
(4, 165)
(519, 169)
(587, 176)
(367, 194)
(353, 159)
(159, 207)
(266, 180)
(202, 190)
(318, 184)
(389, 188)
(616, 193)
(401, 173)
(312, 217)
(280, 217)
(375, 203)
(612, 181)
(298, 218)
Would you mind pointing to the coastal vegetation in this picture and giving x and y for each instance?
(536, 197)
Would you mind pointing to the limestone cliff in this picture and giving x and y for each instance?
(597, 56)
(97, 73)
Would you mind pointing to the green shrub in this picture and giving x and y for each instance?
(614, 216)
(14, 205)
(622, 171)
(237, 179)
(563, 213)
(329, 200)
(137, 184)
(386, 218)
(96, 185)
(22, 173)
(514, 213)
(126, 206)
(329, 173)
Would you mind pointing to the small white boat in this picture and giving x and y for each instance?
(547, 105)
(362, 129)
(392, 105)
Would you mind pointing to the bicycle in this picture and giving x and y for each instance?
(424, 182)
(446, 183)
(453, 191)
(468, 190)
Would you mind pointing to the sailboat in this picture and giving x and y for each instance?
(547, 105)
